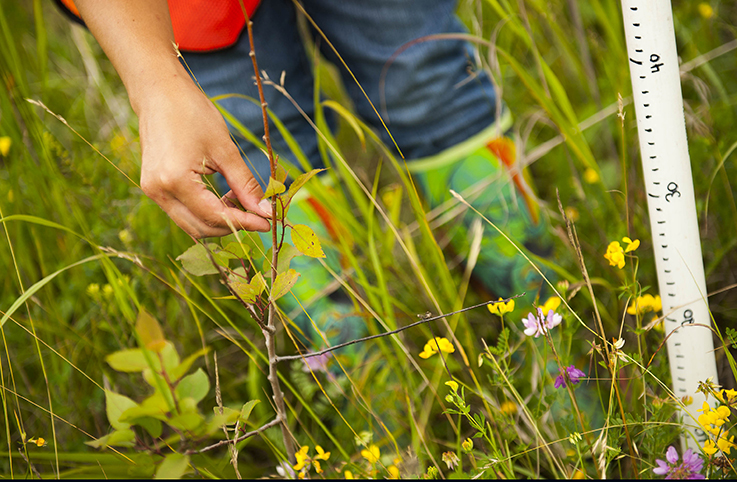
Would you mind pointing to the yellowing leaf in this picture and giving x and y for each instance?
(305, 240)
(275, 187)
(284, 282)
(281, 173)
(299, 182)
(149, 331)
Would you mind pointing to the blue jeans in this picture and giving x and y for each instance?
(431, 102)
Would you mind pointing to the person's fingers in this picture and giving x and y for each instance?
(215, 213)
(241, 180)
(184, 218)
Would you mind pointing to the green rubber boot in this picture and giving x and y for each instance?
(485, 172)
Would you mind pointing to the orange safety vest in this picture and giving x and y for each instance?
(201, 25)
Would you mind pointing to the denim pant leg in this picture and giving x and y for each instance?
(278, 49)
(431, 103)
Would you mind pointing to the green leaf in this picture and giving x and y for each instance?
(173, 466)
(115, 405)
(284, 282)
(122, 438)
(99, 443)
(286, 254)
(235, 250)
(154, 406)
(151, 425)
(170, 357)
(299, 182)
(273, 188)
(251, 242)
(195, 386)
(127, 361)
(149, 331)
(229, 416)
(305, 240)
(117, 438)
(247, 409)
(182, 368)
(196, 260)
(187, 421)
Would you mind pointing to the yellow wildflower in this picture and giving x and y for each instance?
(728, 396)
(645, 303)
(107, 291)
(501, 308)
(372, 454)
(348, 474)
(453, 385)
(318, 469)
(578, 475)
(393, 472)
(710, 448)
(467, 445)
(572, 214)
(40, 442)
(705, 10)
(552, 303)
(508, 408)
(726, 445)
(321, 454)
(591, 176)
(631, 245)
(93, 289)
(5, 143)
(435, 345)
(615, 254)
(302, 457)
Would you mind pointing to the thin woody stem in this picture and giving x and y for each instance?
(246, 435)
(393, 332)
(270, 329)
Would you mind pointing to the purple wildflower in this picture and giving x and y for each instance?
(538, 325)
(317, 363)
(574, 375)
(688, 469)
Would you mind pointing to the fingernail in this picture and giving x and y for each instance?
(265, 206)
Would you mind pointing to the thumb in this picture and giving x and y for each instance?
(244, 185)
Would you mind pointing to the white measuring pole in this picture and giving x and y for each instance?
(656, 85)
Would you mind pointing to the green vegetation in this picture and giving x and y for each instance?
(124, 352)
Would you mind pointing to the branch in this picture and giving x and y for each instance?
(267, 426)
(394, 332)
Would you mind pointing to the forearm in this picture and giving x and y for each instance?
(138, 39)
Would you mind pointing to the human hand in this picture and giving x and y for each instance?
(183, 136)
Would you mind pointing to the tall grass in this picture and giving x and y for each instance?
(68, 194)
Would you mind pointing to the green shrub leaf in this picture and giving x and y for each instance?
(127, 361)
(274, 187)
(115, 405)
(194, 386)
(173, 467)
(247, 409)
(196, 260)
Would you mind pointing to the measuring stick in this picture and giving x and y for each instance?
(661, 127)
